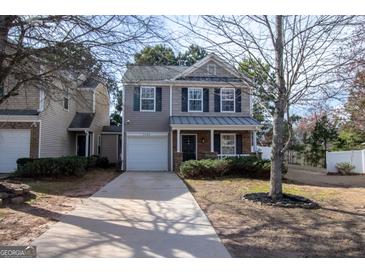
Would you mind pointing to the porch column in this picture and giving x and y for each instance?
(178, 140)
(211, 140)
(254, 141)
(87, 144)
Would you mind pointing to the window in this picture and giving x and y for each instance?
(65, 102)
(42, 98)
(211, 69)
(195, 99)
(148, 99)
(228, 100)
(228, 144)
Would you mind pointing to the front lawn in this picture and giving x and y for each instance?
(249, 229)
(21, 224)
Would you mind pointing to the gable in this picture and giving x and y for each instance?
(211, 68)
(202, 71)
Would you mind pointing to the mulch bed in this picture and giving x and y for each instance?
(287, 201)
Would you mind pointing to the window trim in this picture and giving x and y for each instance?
(94, 101)
(214, 70)
(234, 145)
(234, 100)
(154, 99)
(42, 99)
(202, 99)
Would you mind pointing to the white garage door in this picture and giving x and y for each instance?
(147, 153)
(14, 144)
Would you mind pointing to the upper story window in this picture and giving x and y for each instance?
(195, 99)
(42, 98)
(228, 144)
(211, 69)
(228, 100)
(148, 99)
(66, 101)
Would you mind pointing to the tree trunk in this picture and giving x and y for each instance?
(276, 175)
(277, 154)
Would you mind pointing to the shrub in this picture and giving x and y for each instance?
(102, 162)
(251, 167)
(95, 161)
(207, 168)
(92, 161)
(22, 161)
(53, 167)
(345, 168)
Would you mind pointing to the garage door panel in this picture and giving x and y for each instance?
(14, 144)
(147, 153)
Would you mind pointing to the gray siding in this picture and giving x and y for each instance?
(101, 117)
(84, 100)
(56, 141)
(27, 98)
(147, 121)
(203, 71)
(109, 147)
(176, 104)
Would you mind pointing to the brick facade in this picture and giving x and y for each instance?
(34, 134)
(203, 144)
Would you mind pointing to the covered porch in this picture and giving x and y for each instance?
(196, 138)
(84, 136)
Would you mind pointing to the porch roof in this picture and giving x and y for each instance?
(214, 121)
(81, 121)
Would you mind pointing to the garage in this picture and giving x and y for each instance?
(14, 144)
(147, 152)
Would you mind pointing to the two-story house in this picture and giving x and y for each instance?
(69, 121)
(177, 113)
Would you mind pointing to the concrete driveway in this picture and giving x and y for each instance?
(138, 214)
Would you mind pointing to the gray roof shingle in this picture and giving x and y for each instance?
(18, 112)
(90, 83)
(213, 120)
(112, 129)
(82, 120)
(143, 73)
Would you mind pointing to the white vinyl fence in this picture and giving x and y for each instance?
(354, 157)
(266, 152)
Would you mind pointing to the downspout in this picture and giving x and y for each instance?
(171, 134)
(87, 143)
(122, 150)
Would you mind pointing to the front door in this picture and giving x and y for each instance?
(188, 147)
(81, 139)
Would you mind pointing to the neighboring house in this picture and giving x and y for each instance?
(174, 113)
(73, 122)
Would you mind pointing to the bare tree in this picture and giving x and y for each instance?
(302, 51)
(42, 51)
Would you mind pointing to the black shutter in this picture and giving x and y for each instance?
(217, 100)
(238, 100)
(239, 144)
(217, 143)
(184, 99)
(206, 99)
(136, 97)
(158, 99)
